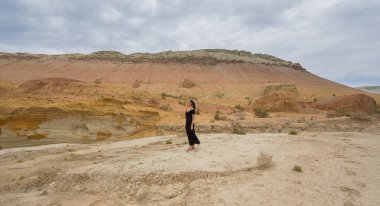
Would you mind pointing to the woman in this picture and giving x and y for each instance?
(190, 116)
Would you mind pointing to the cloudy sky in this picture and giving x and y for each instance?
(335, 39)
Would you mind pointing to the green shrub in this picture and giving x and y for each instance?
(217, 116)
(163, 95)
(292, 132)
(197, 111)
(169, 141)
(238, 107)
(238, 131)
(297, 168)
(220, 95)
(261, 113)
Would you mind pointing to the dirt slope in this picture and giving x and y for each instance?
(235, 73)
(108, 95)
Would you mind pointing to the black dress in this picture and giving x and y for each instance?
(190, 131)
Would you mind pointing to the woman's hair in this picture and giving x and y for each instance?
(192, 103)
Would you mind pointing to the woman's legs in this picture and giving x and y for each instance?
(190, 148)
(188, 132)
(191, 137)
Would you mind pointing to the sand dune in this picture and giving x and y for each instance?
(337, 169)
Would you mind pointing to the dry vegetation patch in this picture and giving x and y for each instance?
(264, 161)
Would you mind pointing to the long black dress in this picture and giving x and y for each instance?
(193, 139)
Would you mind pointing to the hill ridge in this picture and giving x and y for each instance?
(200, 56)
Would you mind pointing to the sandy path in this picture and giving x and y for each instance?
(338, 169)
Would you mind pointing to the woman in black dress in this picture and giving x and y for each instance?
(190, 131)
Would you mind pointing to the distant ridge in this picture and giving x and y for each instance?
(370, 89)
(202, 56)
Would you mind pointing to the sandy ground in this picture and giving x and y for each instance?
(337, 169)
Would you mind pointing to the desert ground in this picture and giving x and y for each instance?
(336, 168)
(108, 129)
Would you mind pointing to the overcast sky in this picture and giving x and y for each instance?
(336, 39)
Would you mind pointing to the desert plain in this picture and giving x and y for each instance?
(108, 129)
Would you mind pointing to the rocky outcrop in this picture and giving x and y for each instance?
(58, 125)
(278, 98)
(290, 88)
(51, 86)
(3, 91)
(203, 57)
(187, 83)
(278, 101)
(349, 103)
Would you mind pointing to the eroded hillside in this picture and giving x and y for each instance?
(110, 96)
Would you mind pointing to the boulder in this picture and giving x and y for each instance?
(187, 83)
(278, 101)
(349, 103)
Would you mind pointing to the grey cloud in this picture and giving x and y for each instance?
(333, 39)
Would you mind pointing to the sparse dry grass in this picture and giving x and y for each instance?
(36, 136)
(237, 130)
(292, 132)
(297, 168)
(137, 96)
(182, 102)
(261, 113)
(330, 114)
(219, 117)
(360, 117)
(166, 107)
(97, 81)
(220, 95)
(136, 84)
(102, 135)
(153, 102)
(342, 113)
(241, 115)
(264, 161)
(238, 107)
